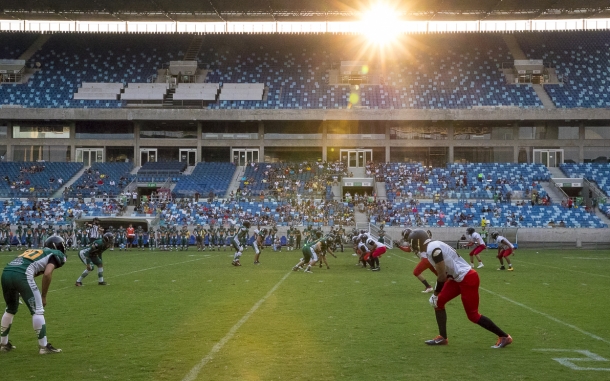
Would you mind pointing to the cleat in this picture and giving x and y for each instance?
(48, 349)
(502, 342)
(438, 340)
(428, 290)
(102, 283)
(257, 263)
(78, 284)
(472, 265)
(510, 269)
(480, 265)
(308, 271)
(7, 347)
(295, 268)
(501, 268)
(375, 269)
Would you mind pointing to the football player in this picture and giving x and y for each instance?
(423, 264)
(236, 241)
(505, 248)
(92, 255)
(18, 280)
(258, 243)
(474, 239)
(455, 277)
(310, 255)
(376, 250)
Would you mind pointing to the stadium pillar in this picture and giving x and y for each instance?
(324, 143)
(199, 149)
(581, 139)
(261, 139)
(72, 142)
(136, 144)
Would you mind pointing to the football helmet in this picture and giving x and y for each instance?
(263, 232)
(56, 243)
(406, 233)
(494, 235)
(469, 231)
(108, 238)
(417, 239)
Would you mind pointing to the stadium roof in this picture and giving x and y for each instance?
(295, 10)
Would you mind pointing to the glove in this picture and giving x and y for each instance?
(433, 300)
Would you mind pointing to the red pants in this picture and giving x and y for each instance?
(504, 253)
(477, 250)
(378, 252)
(423, 264)
(468, 288)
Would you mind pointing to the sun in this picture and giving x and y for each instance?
(381, 24)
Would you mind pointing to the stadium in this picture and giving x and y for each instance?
(327, 115)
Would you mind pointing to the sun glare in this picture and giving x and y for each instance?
(380, 24)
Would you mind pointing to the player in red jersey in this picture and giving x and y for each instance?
(422, 265)
(475, 240)
(455, 277)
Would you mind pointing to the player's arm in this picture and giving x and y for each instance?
(439, 265)
(47, 276)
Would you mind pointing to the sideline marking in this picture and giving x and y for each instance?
(136, 271)
(538, 312)
(194, 372)
(569, 362)
(548, 316)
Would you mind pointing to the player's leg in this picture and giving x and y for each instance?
(477, 252)
(11, 298)
(501, 259)
(312, 261)
(505, 254)
(421, 266)
(100, 270)
(257, 252)
(88, 268)
(450, 290)
(470, 299)
(238, 250)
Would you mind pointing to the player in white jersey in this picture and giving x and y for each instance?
(475, 240)
(375, 250)
(505, 248)
(455, 277)
(258, 243)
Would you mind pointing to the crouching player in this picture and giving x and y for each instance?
(455, 277)
(310, 254)
(475, 239)
(236, 241)
(422, 265)
(376, 250)
(505, 248)
(92, 255)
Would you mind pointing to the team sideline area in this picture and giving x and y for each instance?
(169, 316)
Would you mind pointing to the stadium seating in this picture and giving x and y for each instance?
(518, 179)
(196, 91)
(580, 58)
(106, 91)
(206, 178)
(99, 177)
(153, 172)
(599, 173)
(24, 179)
(14, 44)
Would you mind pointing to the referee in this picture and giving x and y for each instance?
(94, 230)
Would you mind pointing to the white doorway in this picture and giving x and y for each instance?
(549, 157)
(356, 158)
(189, 156)
(148, 155)
(89, 156)
(243, 156)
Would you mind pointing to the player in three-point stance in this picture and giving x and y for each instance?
(236, 241)
(423, 264)
(475, 240)
(92, 255)
(505, 248)
(311, 250)
(455, 277)
(18, 280)
(376, 250)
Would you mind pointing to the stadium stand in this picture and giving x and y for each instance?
(599, 173)
(206, 178)
(102, 179)
(161, 171)
(14, 44)
(39, 179)
(196, 91)
(580, 58)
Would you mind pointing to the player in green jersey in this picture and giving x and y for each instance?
(236, 241)
(92, 255)
(184, 238)
(310, 253)
(18, 280)
(152, 239)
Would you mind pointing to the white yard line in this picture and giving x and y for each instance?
(548, 316)
(197, 368)
(535, 311)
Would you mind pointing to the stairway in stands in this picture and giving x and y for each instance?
(193, 50)
(168, 99)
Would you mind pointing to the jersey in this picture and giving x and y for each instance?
(96, 249)
(455, 266)
(501, 243)
(476, 238)
(33, 262)
(242, 233)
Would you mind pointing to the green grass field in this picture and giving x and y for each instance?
(192, 316)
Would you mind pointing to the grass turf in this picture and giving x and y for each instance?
(164, 313)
